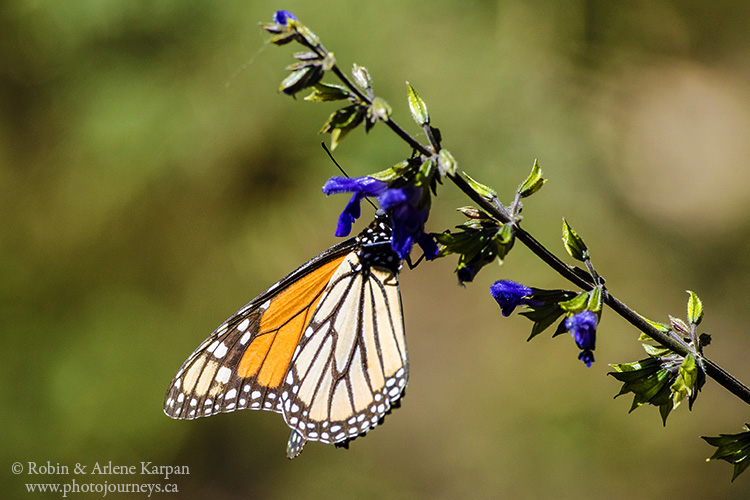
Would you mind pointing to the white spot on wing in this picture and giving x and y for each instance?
(221, 351)
(223, 375)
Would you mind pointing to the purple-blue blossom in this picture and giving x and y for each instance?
(510, 295)
(582, 327)
(404, 205)
(361, 187)
(282, 16)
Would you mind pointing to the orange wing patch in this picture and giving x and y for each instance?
(281, 326)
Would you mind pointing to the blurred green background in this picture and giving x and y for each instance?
(152, 181)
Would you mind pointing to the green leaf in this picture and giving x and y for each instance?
(732, 448)
(504, 241)
(467, 243)
(283, 38)
(595, 300)
(417, 106)
(343, 121)
(447, 165)
(576, 304)
(506, 235)
(380, 109)
(301, 79)
(656, 351)
(425, 173)
(393, 173)
(573, 243)
(659, 326)
(306, 56)
(695, 309)
(323, 92)
(543, 317)
(533, 182)
(686, 381)
(474, 213)
(362, 77)
(485, 192)
(648, 380)
(305, 32)
(679, 326)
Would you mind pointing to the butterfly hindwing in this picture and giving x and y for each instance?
(352, 362)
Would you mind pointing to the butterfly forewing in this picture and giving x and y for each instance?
(238, 365)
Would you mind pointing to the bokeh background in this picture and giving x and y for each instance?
(152, 181)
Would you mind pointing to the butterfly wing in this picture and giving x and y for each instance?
(324, 346)
(243, 363)
(351, 365)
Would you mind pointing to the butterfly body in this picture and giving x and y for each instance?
(325, 347)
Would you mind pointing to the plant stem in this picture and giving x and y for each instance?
(581, 280)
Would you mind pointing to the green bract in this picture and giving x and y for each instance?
(576, 304)
(649, 381)
(663, 379)
(694, 309)
(533, 182)
(573, 243)
(379, 111)
(391, 174)
(485, 192)
(301, 79)
(478, 242)
(686, 380)
(362, 77)
(733, 448)
(417, 107)
(543, 317)
(447, 165)
(595, 300)
(343, 121)
(323, 92)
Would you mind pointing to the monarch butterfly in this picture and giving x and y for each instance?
(325, 347)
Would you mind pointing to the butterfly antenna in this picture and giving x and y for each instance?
(330, 155)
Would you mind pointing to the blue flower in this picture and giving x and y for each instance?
(282, 16)
(409, 216)
(404, 205)
(509, 295)
(361, 187)
(582, 327)
(466, 274)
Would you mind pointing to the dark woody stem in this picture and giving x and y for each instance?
(584, 282)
